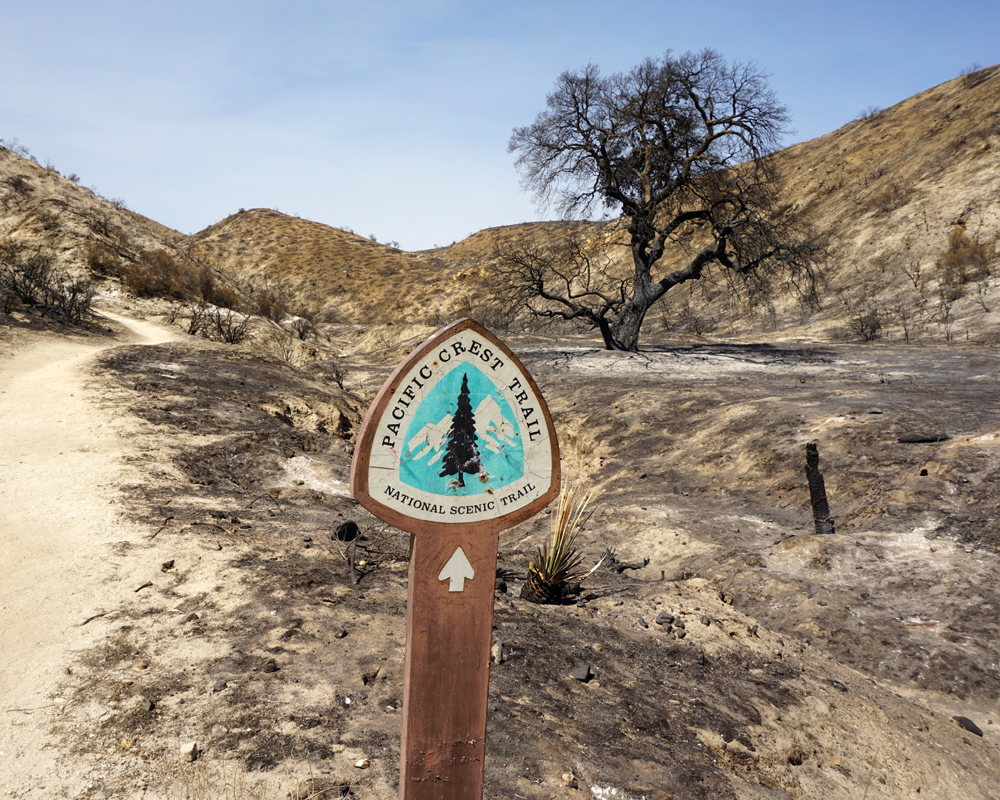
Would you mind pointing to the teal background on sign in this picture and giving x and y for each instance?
(498, 441)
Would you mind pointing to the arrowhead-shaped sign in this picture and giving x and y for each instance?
(458, 435)
(457, 571)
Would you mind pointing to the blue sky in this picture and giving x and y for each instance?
(392, 118)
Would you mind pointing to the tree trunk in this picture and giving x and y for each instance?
(623, 331)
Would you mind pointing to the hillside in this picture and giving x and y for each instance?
(348, 277)
(889, 189)
(885, 192)
(38, 206)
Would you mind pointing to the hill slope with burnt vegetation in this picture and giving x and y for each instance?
(905, 200)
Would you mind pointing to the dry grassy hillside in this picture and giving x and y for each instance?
(888, 192)
(348, 277)
(906, 198)
(40, 207)
(891, 188)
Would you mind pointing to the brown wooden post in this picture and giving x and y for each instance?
(457, 446)
(447, 672)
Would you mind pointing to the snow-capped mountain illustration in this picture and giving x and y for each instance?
(493, 431)
(437, 456)
(429, 441)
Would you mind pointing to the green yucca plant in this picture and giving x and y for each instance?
(554, 573)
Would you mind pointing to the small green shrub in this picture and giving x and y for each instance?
(555, 571)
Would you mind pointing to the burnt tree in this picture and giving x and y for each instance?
(674, 144)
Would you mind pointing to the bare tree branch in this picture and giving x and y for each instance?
(672, 142)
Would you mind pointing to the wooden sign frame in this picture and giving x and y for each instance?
(454, 532)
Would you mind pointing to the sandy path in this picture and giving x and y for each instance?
(60, 461)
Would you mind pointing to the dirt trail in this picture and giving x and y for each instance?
(61, 460)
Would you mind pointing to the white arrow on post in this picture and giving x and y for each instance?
(457, 571)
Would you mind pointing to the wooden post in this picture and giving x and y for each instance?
(457, 446)
(449, 629)
(817, 492)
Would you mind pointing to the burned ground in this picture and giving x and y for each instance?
(749, 658)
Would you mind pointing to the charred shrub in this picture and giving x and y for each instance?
(73, 299)
(198, 321)
(965, 261)
(101, 222)
(46, 220)
(17, 190)
(973, 75)
(302, 326)
(866, 323)
(230, 326)
(26, 273)
(28, 276)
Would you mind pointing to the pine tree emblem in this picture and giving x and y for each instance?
(461, 454)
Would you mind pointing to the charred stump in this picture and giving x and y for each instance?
(817, 492)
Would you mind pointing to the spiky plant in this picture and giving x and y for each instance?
(554, 572)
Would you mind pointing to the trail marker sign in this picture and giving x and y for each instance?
(457, 446)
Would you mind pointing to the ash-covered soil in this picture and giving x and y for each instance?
(748, 658)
